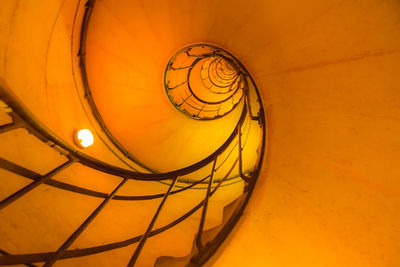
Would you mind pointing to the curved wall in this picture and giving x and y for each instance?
(329, 71)
(329, 75)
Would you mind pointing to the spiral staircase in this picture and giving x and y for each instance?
(183, 172)
(197, 193)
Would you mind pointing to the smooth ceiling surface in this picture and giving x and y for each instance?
(125, 61)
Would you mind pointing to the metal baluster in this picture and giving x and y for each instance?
(241, 174)
(184, 100)
(219, 108)
(8, 200)
(150, 227)
(201, 110)
(204, 211)
(247, 99)
(176, 86)
(82, 227)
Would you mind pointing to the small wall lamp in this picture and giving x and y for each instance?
(83, 138)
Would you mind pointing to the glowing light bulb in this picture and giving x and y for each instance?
(84, 138)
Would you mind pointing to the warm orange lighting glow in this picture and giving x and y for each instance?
(84, 138)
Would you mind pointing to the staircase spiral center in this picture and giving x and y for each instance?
(204, 82)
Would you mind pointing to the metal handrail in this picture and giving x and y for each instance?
(193, 105)
(22, 118)
(204, 211)
(43, 133)
(16, 106)
(19, 170)
(88, 94)
(18, 110)
(45, 256)
(36, 128)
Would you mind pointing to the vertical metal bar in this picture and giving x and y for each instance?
(255, 118)
(8, 200)
(241, 174)
(176, 86)
(201, 110)
(204, 211)
(184, 101)
(144, 237)
(83, 226)
(219, 108)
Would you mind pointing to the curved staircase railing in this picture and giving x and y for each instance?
(251, 114)
(22, 118)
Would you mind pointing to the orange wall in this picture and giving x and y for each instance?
(330, 190)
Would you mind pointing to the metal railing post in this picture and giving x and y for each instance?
(10, 199)
(82, 227)
(204, 211)
(139, 248)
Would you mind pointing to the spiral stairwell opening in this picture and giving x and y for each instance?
(221, 90)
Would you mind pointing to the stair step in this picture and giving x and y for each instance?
(171, 261)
